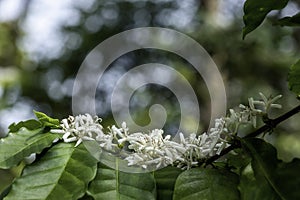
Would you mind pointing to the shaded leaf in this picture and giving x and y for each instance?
(289, 21)
(113, 184)
(255, 188)
(16, 146)
(5, 192)
(86, 197)
(165, 181)
(294, 78)
(279, 175)
(255, 12)
(238, 160)
(46, 120)
(63, 173)
(29, 124)
(210, 184)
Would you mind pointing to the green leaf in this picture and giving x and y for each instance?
(238, 160)
(46, 120)
(117, 185)
(5, 192)
(279, 175)
(63, 173)
(289, 21)
(165, 181)
(294, 78)
(255, 187)
(209, 184)
(29, 124)
(255, 12)
(16, 146)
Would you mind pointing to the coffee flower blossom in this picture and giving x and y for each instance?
(79, 128)
(158, 150)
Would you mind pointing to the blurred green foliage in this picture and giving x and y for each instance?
(258, 64)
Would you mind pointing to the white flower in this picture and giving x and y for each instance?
(266, 103)
(30, 159)
(79, 128)
(153, 149)
(252, 106)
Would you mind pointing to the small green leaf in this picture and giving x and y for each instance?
(294, 78)
(255, 12)
(289, 21)
(165, 181)
(29, 124)
(63, 173)
(16, 146)
(116, 185)
(46, 120)
(209, 184)
(279, 175)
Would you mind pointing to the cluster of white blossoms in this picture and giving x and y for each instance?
(155, 149)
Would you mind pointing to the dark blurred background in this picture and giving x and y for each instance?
(43, 43)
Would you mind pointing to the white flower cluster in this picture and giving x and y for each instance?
(155, 149)
(249, 114)
(79, 128)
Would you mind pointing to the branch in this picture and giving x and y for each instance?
(270, 125)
